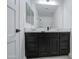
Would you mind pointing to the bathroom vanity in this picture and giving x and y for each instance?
(45, 44)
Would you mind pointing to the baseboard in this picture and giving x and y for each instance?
(70, 55)
(24, 58)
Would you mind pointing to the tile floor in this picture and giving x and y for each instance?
(59, 57)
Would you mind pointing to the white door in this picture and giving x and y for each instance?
(12, 25)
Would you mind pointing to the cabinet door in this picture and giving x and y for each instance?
(43, 45)
(31, 45)
(54, 44)
(64, 43)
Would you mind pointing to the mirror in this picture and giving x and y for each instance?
(29, 15)
(52, 15)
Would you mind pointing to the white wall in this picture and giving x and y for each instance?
(58, 17)
(68, 19)
(67, 22)
(63, 15)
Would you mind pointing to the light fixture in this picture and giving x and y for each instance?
(48, 2)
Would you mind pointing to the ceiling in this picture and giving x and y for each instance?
(46, 10)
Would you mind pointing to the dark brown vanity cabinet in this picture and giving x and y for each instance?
(38, 44)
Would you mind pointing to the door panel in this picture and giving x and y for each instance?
(11, 3)
(12, 36)
(11, 21)
(11, 46)
(12, 50)
(11, 24)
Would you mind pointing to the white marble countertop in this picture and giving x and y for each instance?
(43, 30)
